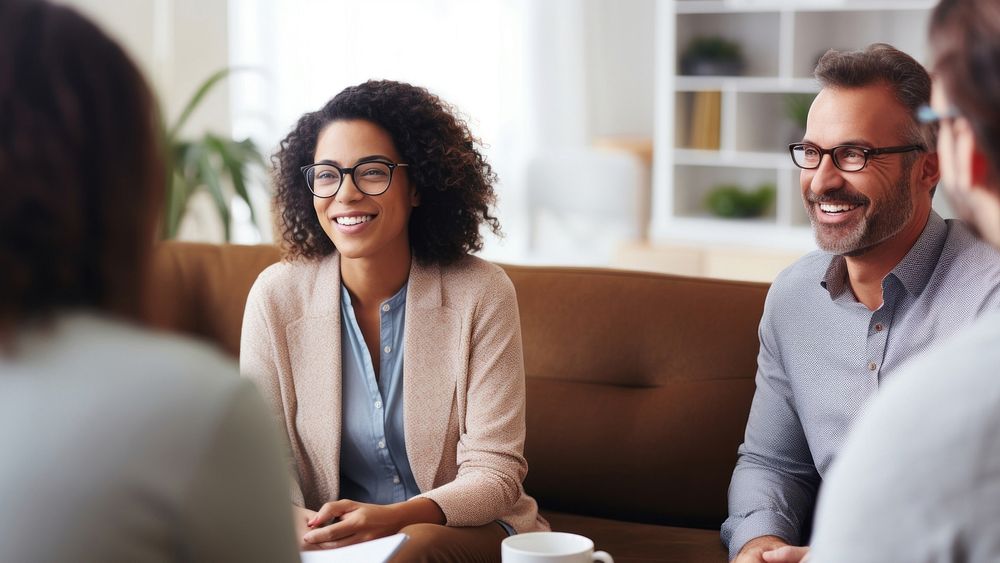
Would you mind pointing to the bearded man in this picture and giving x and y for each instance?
(892, 277)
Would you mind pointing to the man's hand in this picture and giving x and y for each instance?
(358, 522)
(753, 551)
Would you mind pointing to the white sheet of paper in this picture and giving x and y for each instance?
(375, 551)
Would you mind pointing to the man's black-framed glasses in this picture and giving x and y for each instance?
(371, 178)
(849, 158)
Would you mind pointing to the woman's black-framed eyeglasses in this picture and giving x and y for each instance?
(849, 158)
(371, 178)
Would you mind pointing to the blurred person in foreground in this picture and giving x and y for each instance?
(116, 444)
(892, 278)
(919, 479)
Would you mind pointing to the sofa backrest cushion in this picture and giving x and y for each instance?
(201, 289)
(639, 384)
(639, 387)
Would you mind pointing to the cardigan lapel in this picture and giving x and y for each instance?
(317, 380)
(431, 337)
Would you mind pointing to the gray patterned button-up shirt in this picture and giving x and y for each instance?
(823, 355)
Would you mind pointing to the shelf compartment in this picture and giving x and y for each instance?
(756, 33)
(698, 120)
(762, 123)
(692, 184)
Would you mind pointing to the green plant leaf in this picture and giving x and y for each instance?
(230, 153)
(797, 108)
(196, 99)
(204, 163)
(184, 181)
(210, 177)
(730, 200)
(714, 48)
(176, 205)
(252, 152)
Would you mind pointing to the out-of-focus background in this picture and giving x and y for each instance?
(647, 134)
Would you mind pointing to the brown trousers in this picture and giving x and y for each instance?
(431, 543)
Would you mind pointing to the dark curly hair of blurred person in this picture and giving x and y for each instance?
(451, 175)
(81, 170)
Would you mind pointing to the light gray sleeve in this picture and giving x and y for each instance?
(774, 485)
(919, 477)
(237, 506)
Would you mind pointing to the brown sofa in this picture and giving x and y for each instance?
(638, 385)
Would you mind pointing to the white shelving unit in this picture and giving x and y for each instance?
(780, 41)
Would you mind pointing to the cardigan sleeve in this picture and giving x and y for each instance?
(491, 464)
(258, 363)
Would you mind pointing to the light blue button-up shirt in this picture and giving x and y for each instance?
(823, 356)
(374, 467)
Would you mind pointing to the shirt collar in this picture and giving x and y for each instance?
(913, 271)
(395, 302)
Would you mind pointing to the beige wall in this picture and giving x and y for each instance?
(177, 43)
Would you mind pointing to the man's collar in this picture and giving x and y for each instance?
(913, 271)
(835, 278)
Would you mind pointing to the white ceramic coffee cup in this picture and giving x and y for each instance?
(551, 547)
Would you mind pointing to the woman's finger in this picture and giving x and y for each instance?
(332, 533)
(329, 511)
(344, 542)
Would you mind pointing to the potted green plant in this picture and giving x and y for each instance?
(733, 202)
(216, 163)
(712, 56)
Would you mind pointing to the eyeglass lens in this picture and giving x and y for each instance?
(847, 158)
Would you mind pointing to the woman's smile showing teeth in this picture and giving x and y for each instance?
(354, 223)
(354, 219)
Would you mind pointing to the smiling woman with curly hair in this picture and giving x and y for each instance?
(392, 356)
(452, 177)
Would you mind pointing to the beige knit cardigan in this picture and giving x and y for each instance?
(463, 383)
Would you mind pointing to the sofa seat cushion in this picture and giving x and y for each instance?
(629, 542)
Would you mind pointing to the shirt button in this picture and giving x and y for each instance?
(378, 404)
(387, 349)
(395, 479)
(872, 366)
(381, 444)
(385, 307)
(878, 327)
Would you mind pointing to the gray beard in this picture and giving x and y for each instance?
(894, 213)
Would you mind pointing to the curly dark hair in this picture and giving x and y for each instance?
(451, 175)
(81, 167)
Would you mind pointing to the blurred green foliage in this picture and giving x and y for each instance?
(732, 201)
(207, 163)
(713, 48)
(797, 107)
